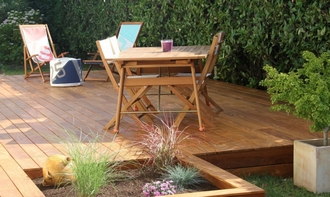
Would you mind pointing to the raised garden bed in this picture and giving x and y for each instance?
(228, 184)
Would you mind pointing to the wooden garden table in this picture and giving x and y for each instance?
(154, 57)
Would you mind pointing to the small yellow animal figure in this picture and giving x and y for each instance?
(57, 170)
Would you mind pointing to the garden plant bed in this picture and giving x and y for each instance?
(221, 183)
(131, 187)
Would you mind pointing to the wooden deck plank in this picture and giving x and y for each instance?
(19, 154)
(8, 188)
(17, 176)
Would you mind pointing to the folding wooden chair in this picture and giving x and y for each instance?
(127, 35)
(202, 78)
(38, 49)
(107, 49)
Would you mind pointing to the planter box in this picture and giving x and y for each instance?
(311, 165)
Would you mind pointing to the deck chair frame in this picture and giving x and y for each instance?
(32, 59)
(120, 34)
(110, 45)
(202, 83)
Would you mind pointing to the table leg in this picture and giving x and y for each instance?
(201, 126)
(120, 97)
(194, 97)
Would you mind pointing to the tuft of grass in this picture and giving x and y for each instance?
(184, 177)
(93, 165)
(280, 187)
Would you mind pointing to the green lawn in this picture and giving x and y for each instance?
(281, 187)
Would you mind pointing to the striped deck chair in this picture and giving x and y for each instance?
(38, 49)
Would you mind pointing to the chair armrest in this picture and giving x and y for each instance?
(62, 54)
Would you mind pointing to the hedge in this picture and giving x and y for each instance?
(258, 32)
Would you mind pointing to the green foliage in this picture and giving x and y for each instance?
(11, 44)
(9, 5)
(11, 47)
(183, 176)
(272, 32)
(93, 165)
(304, 92)
(76, 25)
(165, 20)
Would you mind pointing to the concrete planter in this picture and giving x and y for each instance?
(311, 165)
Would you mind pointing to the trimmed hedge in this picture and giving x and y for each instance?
(258, 32)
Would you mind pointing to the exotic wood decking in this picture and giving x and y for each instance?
(245, 138)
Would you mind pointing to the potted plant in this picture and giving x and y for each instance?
(305, 93)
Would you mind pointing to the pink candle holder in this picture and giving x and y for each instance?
(167, 45)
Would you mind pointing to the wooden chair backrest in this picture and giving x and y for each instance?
(107, 51)
(212, 56)
(128, 33)
(115, 45)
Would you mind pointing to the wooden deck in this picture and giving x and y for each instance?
(245, 138)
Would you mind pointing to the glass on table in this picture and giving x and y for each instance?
(167, 45)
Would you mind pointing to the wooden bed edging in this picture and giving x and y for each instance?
(229, 184)
(276, 161)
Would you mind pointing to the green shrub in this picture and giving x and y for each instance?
(11, 44)
(305, 92)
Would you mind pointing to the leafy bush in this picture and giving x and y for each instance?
(304, 92)
(11, 44)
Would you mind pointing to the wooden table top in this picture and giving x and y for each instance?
(156, 53)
